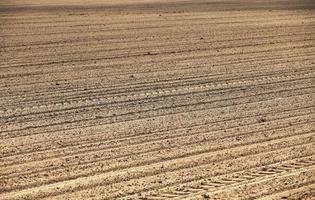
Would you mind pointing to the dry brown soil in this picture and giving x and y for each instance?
(157, 99)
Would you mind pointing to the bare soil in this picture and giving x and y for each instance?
(157, 99)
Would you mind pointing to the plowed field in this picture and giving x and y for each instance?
(157, 99)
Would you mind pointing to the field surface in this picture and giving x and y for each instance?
(157, 99)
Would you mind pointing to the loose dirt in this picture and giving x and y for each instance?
(157, 99)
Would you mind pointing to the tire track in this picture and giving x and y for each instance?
(138, 173)
(298, 139)
(157, 145)
(163, 92)
(235, 179)
(92, 139)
